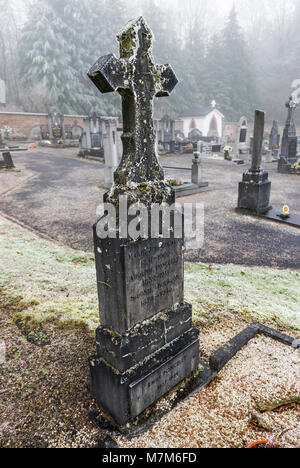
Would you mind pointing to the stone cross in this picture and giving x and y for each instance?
(259, 125)
(138, 80)
(291, 105)
(289, 129)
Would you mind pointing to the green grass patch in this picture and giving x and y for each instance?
(41, 282)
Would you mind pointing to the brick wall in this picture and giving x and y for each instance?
(24, 122)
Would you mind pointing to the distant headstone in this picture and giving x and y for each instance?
(274, 139)
(45, 132)
(255, 189)
(91, 143)
(7, 162)
(195, 135)
(288, 155)
(165, 132)
(36, 133)
(1, 140)
(56, 127)
(110, 146)
(241, 140)
(76, 132)
(96, 140)
(2, 92)
(146, 343)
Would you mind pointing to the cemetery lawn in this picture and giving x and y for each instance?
(48, 314)
(47, 283)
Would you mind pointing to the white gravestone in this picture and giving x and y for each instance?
(2, 92)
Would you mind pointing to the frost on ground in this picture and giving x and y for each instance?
(257, 292)
(46, 282)
(45, 400)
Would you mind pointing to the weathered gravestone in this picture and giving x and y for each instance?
(91, 143)
(146, 343)
(7, 162)
(35, 133)
(288, 155)
(1, 140)
(241, 140)
(255, 189)
(76, 131)
(165, 133)
(56, 127)
(274, 139)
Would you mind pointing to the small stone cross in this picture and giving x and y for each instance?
(138, 80)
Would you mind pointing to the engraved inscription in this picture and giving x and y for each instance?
(153, 277)
(151, 387)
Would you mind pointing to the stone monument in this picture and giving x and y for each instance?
(91, 143)
(1, 140)
(241, 140)
(146, 343)
(288, 155)
(274, 139)
(165, 133)
(56, 128)
(7, 162)
(255, 189)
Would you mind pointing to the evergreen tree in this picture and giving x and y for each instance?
(228, 76)
(60, 42)
(46, 55)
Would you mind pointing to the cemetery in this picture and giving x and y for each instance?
(149, 253)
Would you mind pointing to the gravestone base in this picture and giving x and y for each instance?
(93, 153)
(190, 189)
(124, 394)
(254, 192)
(285, 165)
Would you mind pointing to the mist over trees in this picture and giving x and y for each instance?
(243, 59)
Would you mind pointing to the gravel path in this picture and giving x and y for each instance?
(61, 202)
(45, 399)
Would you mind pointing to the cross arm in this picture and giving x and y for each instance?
(108, 73)
(167, 80)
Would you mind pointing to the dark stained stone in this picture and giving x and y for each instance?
(255, 189)
(116, 392)
(146, 343)
(138, 80)
(288, 155)
(7, 162)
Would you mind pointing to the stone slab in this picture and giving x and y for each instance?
(13, 149)
(221, 356)
(190, 189)
(148, 389)
(238, 162)
(275, 334)
(273, 215)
